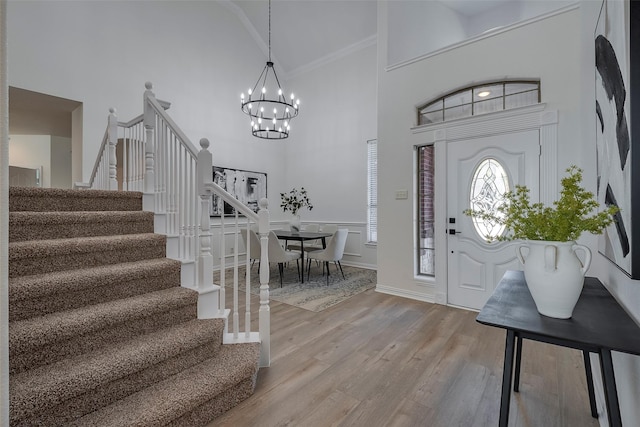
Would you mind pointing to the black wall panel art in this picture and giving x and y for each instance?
(246, 186)
(617, 75)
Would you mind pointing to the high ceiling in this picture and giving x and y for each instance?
(305, 32)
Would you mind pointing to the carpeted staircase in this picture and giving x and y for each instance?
(100, 331)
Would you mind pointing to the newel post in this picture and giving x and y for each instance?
(264, 315)
(149, 148)
(207, 307)
(113, 140)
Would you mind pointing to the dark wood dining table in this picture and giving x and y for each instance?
(301, 237)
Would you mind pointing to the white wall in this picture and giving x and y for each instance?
(419, 28)
(61, 162)
(548, 49)
(625, 290)
(32, 151)
(327, 151)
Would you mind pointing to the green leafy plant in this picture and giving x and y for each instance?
(565, 221)
(295, 200)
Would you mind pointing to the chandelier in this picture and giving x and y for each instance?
(270, 112)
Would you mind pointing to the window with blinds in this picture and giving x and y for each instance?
(372, 191)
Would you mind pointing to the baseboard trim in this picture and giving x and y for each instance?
(405, 294)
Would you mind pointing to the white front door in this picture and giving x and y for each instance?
(492, 164)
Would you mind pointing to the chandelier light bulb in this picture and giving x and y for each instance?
(249, 91)
(280, 92)
(259, 120)
(264, 90)
(286, 123)
(242, 96)
(292, 97)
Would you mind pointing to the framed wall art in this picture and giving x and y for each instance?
(617, 81)
(246, 186)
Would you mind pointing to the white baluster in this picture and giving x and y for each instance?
(264, 318)
(112, 134)
(205, 258)
(149, 123)
(236, 319)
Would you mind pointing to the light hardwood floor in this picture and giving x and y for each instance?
(380, 360)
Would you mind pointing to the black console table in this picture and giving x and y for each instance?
(598, 325)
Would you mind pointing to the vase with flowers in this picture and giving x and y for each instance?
(292, 202)
(553, 271)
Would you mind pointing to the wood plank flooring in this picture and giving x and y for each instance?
(380, 360)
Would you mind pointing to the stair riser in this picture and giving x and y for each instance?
(28, 265)
(23, 229)
(217, 406)
(33, 356)
(113, 290)
(108, 393)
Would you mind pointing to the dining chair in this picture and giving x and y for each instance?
(332, 253)
(315, 245)
(280, 255)
(255, 249)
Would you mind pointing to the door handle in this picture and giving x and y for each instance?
(453, 231)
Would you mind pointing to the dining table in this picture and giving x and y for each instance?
(302, 236)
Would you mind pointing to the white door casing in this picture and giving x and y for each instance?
(474, 265)
(441, 135)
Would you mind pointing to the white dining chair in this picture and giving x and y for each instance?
(254, 250)
(280, 255)
(315, 245)
(332, 253)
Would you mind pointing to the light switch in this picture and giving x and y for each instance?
(402, 194)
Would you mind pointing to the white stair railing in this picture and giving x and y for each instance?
(103, 176)
(176, 179)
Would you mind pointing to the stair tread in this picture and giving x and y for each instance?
(65, 217)
(72, 245)
(63, 325)
(50, 385)
(174, 397)
(67, 200)
(40, 285)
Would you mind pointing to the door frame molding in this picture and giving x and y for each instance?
(534, 117)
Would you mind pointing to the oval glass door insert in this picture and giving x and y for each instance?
(489, 184)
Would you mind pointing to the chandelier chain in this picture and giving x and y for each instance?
(269, 30)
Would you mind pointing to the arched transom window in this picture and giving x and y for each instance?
(481, 99)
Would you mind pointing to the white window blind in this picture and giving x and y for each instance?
(372, 191)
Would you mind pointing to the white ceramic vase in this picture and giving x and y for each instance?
(554, 275)
(294, 224)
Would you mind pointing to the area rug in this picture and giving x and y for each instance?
(314, 294)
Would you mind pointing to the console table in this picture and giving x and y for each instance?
(598, 325)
